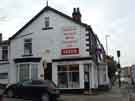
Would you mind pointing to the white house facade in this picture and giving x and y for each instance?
(57, 47)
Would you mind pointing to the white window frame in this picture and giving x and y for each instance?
(30, 70)
(30, 50)
(68, 75)
(4, 48)
(47, 22)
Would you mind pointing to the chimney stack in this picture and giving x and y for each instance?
(76, 15)
(0, 37)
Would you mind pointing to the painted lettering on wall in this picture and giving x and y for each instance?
(70, 42)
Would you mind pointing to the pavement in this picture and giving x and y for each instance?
(124, 93)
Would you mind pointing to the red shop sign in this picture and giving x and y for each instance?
(70, 51)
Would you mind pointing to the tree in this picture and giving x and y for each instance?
(112, 68)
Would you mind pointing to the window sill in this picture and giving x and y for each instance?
(3, 60)
(47, 28)
(27, 55)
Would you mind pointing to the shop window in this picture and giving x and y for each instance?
(27, 46)
(68, 76)
(27, 72)
(5, 53)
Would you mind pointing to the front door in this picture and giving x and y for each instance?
(87, 80)
(48, 72)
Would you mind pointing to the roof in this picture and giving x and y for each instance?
(5, 42)
(41, 12)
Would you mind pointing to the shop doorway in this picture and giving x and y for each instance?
(48, 72)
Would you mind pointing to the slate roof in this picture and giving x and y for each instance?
(5, 42)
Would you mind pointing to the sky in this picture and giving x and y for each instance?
(114, 18)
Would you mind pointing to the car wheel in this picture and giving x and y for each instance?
(45, 97)
(10, 93)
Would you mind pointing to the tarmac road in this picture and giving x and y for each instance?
(116, 94)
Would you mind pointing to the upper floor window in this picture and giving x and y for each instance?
(47, 22)
(3, 75)
(27, 46)
(5, 53)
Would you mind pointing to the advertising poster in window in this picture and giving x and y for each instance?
(70, 42)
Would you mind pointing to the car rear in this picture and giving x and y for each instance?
(45, 87)
(52, 89)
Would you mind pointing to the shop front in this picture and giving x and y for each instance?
(68, 76)
(75, 75)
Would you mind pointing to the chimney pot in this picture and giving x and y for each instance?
(74, 10)
(78, 11)
(76, 15)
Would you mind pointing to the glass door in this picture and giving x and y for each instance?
(87, 79)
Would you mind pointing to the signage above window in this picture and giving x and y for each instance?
(69, 51)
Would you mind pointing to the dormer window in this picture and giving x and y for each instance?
(47, 22)
(28, 46)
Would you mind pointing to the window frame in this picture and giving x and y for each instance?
(68, 72)
(4, 75)
(4, 50)
(27, 47)
(47, 22)
(30, 71)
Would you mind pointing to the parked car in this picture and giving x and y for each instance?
(2, 86)
(44, 90)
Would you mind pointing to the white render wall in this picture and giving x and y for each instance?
(43, 40)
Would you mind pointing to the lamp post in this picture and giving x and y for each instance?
(106, 39)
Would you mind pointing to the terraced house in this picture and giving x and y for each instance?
(55, 46)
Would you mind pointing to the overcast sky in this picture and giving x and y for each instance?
(107, 17)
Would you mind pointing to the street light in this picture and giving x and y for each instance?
(106, 38)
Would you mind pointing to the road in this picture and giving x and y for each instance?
(124, 93)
